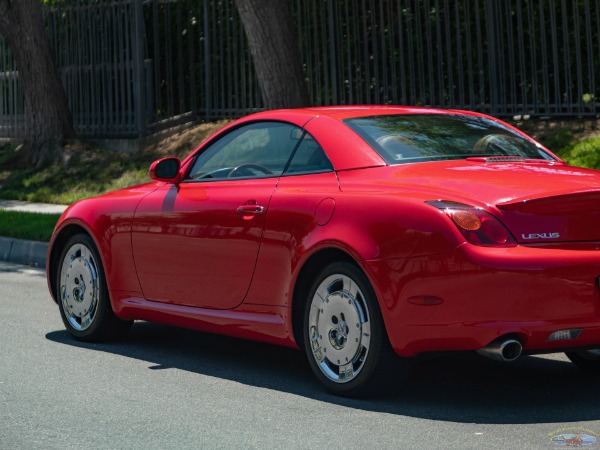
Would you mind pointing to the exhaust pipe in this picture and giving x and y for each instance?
(502, 350)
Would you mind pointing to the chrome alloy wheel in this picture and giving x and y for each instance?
(339, 328)
(79, 286)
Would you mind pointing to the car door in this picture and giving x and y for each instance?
(196, 243)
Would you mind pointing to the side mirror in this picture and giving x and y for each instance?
(165, 169)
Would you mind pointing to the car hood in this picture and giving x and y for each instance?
(539, 201)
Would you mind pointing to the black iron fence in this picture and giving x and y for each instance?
(132, 67)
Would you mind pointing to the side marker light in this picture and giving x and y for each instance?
(565, 335)
(425, 300)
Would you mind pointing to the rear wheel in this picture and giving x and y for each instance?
(344, 335)
(82, 293)
(588, 360)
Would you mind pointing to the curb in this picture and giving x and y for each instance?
(22, 251)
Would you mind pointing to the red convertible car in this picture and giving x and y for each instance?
(364, 235)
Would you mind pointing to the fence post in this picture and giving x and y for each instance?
(332, 22)
(139, 73)
(491, 20)
(207, 67)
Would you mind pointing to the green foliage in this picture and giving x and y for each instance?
(584, 154)
(26, 225)
(87, 173)
(577, 148)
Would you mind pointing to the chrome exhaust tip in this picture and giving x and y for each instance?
(502, 350)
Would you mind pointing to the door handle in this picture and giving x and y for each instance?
(250, 209)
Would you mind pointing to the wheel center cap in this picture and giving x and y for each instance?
(79, 290)
(339, 336)
(78, 268)
(79, 287)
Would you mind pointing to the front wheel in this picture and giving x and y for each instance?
(588, 360)
(82, 293)
(344, 335)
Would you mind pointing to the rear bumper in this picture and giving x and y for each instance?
(487, 293)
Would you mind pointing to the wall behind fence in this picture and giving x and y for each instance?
(133, 67)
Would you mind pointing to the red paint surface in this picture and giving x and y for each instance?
(182, 254)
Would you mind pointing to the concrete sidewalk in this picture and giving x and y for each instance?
(17, 205)
(22, 251)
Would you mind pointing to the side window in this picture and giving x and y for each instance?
(309, 158)
(252, 151)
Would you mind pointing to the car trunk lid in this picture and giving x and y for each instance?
(539, 201)
(567, 217)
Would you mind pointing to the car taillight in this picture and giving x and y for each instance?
(477, 226)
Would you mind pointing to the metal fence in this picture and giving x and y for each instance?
(133, 67)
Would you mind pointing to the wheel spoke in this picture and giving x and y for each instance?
(322, 292)
(346, 372)
(350, 288)
(365, 339)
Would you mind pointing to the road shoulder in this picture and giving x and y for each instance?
(22, 251)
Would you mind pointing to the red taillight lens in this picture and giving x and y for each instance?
(477, 226)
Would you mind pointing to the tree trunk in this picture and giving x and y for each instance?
(49, 120)
(273, 43)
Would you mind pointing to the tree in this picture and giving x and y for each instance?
(49, 120)
(273, 43)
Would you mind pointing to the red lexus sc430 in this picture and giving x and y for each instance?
(363, 235)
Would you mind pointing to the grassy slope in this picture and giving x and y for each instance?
(88, 170)
(24, 225)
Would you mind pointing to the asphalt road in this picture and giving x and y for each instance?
(169, 388)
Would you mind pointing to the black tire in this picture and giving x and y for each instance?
(588, 360)
(82, 294)
(344, 335)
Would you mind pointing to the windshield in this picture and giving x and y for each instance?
(429, 137)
